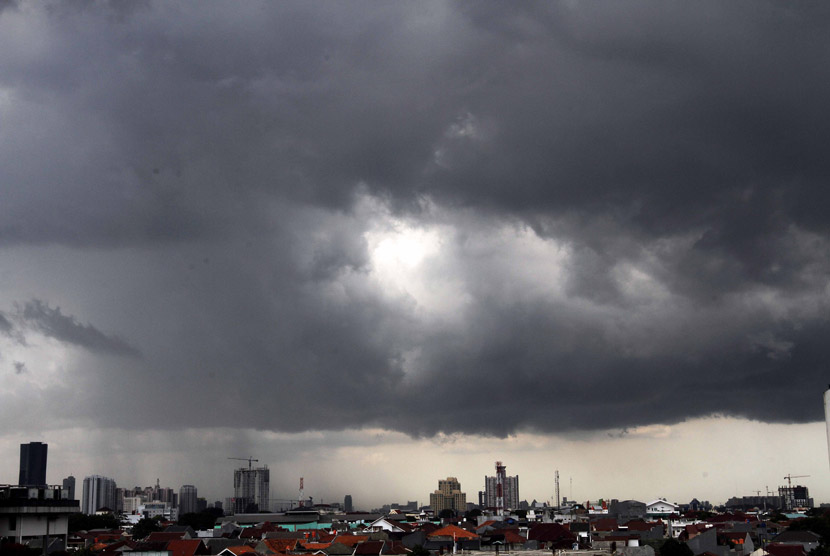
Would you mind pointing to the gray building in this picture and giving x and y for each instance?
(347, 503)
(33, 464)
(251, 490)
(69, 487)
(188, 500)
(99, 492)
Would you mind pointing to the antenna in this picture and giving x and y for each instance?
(556, 480)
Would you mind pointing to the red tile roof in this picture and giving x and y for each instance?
(281, 545)
(453, 531)
(187, 547)
(351, 540)
(777, 549)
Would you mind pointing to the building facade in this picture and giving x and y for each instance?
(99, 492)
(510, 490)
(69, 487)
(251, 490)
(33, 464)
(448, 497)
(36, 515)
(188, 500)
(347, 503)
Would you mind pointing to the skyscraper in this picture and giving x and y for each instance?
(347, 503)
(827, 414)
(33, 464)
(99, 492)
(508, 499)
(187, 500)
(251, 490)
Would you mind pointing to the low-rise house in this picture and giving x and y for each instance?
(188, 547)
(740, 540)
(806, 539)
(661, 507)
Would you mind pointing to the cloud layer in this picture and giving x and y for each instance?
(422, 217)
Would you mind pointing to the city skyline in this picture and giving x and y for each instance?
(347, 236)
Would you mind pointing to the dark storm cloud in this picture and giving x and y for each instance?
(222, 157)
(53, 323)
(6, 326)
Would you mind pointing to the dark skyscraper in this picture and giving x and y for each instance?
(347, 503)
(33, 464)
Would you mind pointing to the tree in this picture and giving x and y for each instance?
(673, 547)
(446, 513)
(84, 522)
(145, 526)
(202, 520)
(472, 514)
(419, 550)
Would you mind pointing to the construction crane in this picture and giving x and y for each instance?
(791, 477)
(249, 460)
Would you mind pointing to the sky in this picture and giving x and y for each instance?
(376, 244)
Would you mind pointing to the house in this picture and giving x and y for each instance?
(740, 540)
(776, 549)
(807, 539)
(187, 547)
(277, 546)
(552, 535)
(661, 507)
(370, 548)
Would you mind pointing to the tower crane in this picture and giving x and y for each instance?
(791, 477)
(249, 460)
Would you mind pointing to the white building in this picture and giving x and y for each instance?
(38, 514)
(661, 507)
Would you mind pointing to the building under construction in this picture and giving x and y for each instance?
(794, 497)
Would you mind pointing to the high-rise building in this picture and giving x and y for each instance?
(33, 464)
(501, 492)
(827, 415)
(187, 500)
(251, 490)
(99, 492)
(448, 496)
(347, 503)
(69, 487)
(794, 497)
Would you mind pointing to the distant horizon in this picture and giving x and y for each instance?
(373, 242)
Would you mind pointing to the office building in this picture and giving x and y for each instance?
(251, 490)
(187, 500)
(33, 464)
(69, 487)
(448, 497)
(347, 503)
(99, 492)
(500, 491)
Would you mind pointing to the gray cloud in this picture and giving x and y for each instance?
(65, 328)
(208, 196)
(19, 367)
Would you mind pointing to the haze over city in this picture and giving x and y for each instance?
(379, 244)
